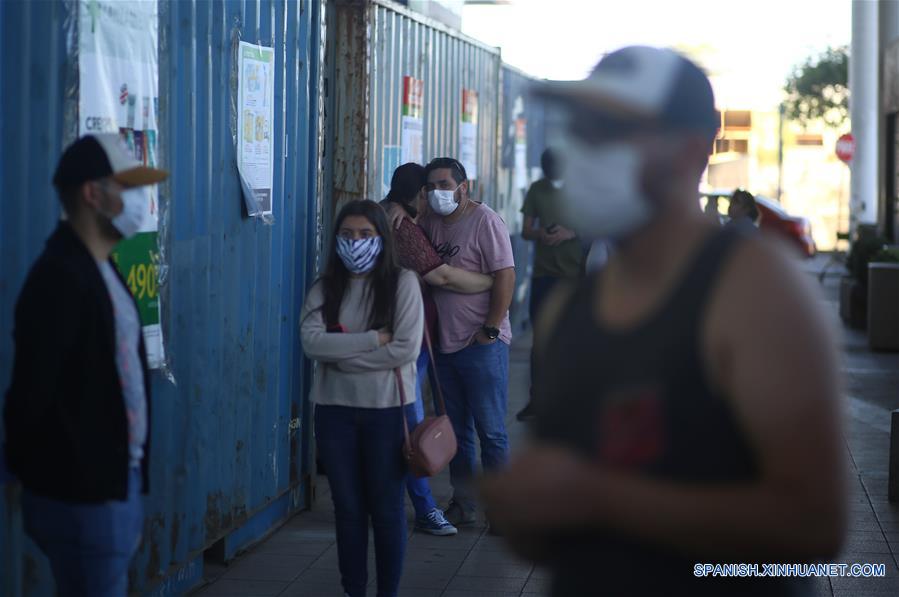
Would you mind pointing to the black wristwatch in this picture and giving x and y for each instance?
(491, 333)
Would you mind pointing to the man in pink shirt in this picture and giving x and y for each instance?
(474, 330)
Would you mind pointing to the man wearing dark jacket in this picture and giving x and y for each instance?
(77, 408)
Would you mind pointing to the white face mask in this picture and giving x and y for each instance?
(442, 201)
(134, 208)
(604, 192)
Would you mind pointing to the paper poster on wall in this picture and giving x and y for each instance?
(255, 118)
(521, 154)
(118, 92)
(411, 135)
(468, 133)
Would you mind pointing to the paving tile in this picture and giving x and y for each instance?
(320, 576)
(865, 526)
(437, 568)
(871, 558)
(860, 546)
(889, 526)
(435, 555)
(461, 541)
(267, 566)
(414, 581)
(472, 593)
(480, 583)
(476, 567)
(880, 586)
(821, 587)
(294, 548)
(302, 588)
(243, 588)
(494, 556)
(492, 543)
(310, 534)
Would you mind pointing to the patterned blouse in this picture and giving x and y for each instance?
(415, 252)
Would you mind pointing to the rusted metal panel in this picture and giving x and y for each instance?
(350, 61)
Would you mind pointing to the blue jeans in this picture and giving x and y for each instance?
(475, 384)
(418, 488)
(89, 545)
(361, 449)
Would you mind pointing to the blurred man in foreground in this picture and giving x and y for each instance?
(687, 407)
(77, 410)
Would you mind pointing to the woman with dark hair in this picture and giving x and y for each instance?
(414, 251)
(363, 319)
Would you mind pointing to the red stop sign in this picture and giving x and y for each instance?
(846, 147)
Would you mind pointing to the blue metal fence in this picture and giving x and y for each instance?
(229, 440)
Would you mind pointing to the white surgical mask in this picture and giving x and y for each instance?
(134, 209)
(443, 201)
(604, 193)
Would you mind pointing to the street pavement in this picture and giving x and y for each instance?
(300, 558)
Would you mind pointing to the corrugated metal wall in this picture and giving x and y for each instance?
(229, 440)
(405, 44)
(32, 81)
(375, 44)
(517, 101)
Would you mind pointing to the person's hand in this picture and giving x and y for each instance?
(559, 235)
(564, 234)
(541, 492)
(395, 215)
(482, 339)
(384, 337)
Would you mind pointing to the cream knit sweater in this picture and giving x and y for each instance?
(353, 369)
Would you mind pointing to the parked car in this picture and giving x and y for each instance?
(773, 218)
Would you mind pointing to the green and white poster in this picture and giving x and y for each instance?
(118, 92)
(255, 123)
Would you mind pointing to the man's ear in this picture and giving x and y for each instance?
(90, 194)
(464, 188)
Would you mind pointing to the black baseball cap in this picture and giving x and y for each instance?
(102, 155)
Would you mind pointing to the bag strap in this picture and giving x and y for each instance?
(402, 388)
(435, 382)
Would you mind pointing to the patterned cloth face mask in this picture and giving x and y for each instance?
(359, 255)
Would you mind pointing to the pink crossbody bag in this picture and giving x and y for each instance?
(432, 444)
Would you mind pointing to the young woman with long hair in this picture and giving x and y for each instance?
(361, 320)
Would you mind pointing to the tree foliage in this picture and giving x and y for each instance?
(819, 88)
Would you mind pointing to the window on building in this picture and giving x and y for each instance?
(737, 120)
(808, 139)
(731, 145)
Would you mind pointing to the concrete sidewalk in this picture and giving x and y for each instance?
(300, 559)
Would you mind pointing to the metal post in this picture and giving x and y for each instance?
(864, 71)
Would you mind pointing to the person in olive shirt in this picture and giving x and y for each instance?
(559, 253)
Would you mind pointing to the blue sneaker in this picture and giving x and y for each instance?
(435, 523)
